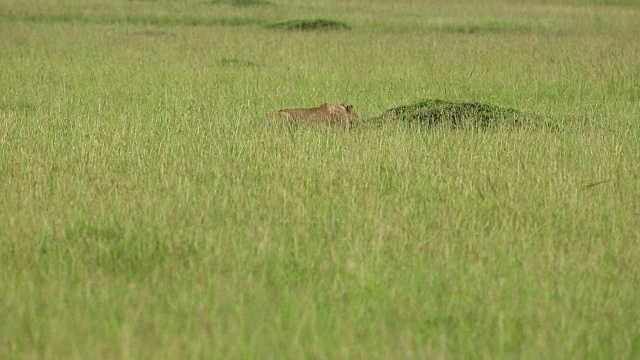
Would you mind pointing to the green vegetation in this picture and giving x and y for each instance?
(146, 211)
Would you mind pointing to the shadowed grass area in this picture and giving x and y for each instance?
(461, 115)
(112, 19)
(174, 21)
(490, 27)
(310, 25)
(21, 106)
(241, 2)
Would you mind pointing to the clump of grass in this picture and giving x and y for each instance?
(22, 106)
(154, 33)
(231, 61)
(310, 25)
(460, 115)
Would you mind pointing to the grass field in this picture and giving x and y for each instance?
(146, 210)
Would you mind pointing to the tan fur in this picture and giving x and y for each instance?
(333, 114)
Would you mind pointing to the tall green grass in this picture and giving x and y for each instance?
(146, 210)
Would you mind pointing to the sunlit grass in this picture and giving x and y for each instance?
(147, 211)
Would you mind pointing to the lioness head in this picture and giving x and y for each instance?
(343, 113)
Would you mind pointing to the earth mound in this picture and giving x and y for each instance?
(460, 115)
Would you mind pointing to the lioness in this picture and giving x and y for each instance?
(333, 114)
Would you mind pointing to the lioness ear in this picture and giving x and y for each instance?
(348, 108)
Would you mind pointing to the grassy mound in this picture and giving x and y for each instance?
(310, 25)
(460, 115)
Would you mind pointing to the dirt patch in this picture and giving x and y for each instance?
(310, 25)
(461, 115)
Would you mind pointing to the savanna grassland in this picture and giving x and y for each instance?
(147, 210)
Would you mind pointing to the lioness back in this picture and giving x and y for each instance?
(333, 114)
